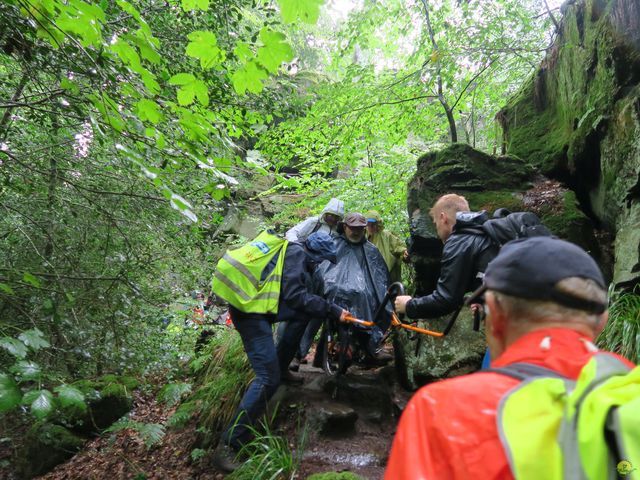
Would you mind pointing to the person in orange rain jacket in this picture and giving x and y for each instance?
(546, 301)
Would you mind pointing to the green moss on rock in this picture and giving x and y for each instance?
(108, 398)
(46, 445)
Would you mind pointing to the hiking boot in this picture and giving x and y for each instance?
(377, 360)
(224, 458)
(289, 378)
(294, 366)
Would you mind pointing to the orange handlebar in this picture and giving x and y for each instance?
(352, 319)
(395, 321)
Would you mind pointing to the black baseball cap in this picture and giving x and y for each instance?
(530, 268)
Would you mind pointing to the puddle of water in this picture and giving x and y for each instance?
(352, 459)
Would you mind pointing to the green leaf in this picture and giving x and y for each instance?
(305, 10)
(148, 110)
(248, 78)
(6, 289)
(130, 9)
(193, 4)
(275, 50)
(202, 92)
(243, 52)
(14, 347)
(34, 338)
(70, 397)
(191, 87)
(173, 392)
(31, 279)
(27, 370)
(204, 47)
(10, 395)
(42, 404)
(182, 79)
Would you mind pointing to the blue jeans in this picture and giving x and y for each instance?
(307, 338)
(289, 341)
(257, 339)
(308, 335)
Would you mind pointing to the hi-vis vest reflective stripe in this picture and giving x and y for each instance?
(238, 275)
(556, 428)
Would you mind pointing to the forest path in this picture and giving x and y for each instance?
(350, 422)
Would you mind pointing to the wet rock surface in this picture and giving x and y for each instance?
(352, 419)
(578, 120)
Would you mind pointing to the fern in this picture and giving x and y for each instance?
(150, 433)
(173, 392)
(182, 415)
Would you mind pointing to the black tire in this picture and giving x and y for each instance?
(344, 350)
(328, 337)
(402, 349)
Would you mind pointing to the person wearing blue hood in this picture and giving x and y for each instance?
(296, 303)
(463, 257)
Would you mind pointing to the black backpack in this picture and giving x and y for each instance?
(506, 226)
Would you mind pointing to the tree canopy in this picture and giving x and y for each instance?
(131, 130)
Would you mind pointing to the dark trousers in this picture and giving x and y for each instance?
(266, 361)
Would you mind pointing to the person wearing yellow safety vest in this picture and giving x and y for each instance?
(392, 248)
(546, 301)
(296, 304)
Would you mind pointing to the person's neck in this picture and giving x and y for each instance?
(514, 334)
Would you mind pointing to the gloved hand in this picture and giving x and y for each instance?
(344, 314)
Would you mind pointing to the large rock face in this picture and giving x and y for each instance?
(578, 120)
(488, 183)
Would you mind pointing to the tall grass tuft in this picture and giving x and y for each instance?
(622, 333)
(222, 375)
(269, 456)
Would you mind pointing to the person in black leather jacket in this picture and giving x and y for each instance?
(465, 254)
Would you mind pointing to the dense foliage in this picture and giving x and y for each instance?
(136, 135)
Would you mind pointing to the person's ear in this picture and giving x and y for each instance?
(602, 322)
(496, 318)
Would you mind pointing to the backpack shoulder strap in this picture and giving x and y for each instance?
(524, 371)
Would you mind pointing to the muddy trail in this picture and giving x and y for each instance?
(349, 420)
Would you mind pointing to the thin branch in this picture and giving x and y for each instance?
(366, 107)
(473, 79)
(551, 16)
(7, 115)
(67, 277)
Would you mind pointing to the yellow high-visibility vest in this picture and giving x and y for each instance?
(238, 276)
(589, 429)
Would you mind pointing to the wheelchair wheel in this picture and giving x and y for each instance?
(329, 340)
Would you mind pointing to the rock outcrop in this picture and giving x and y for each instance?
(578, 120)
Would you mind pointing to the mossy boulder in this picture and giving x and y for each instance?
(578, 120)
(108, 398)
(46, 445)
(425, 358)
